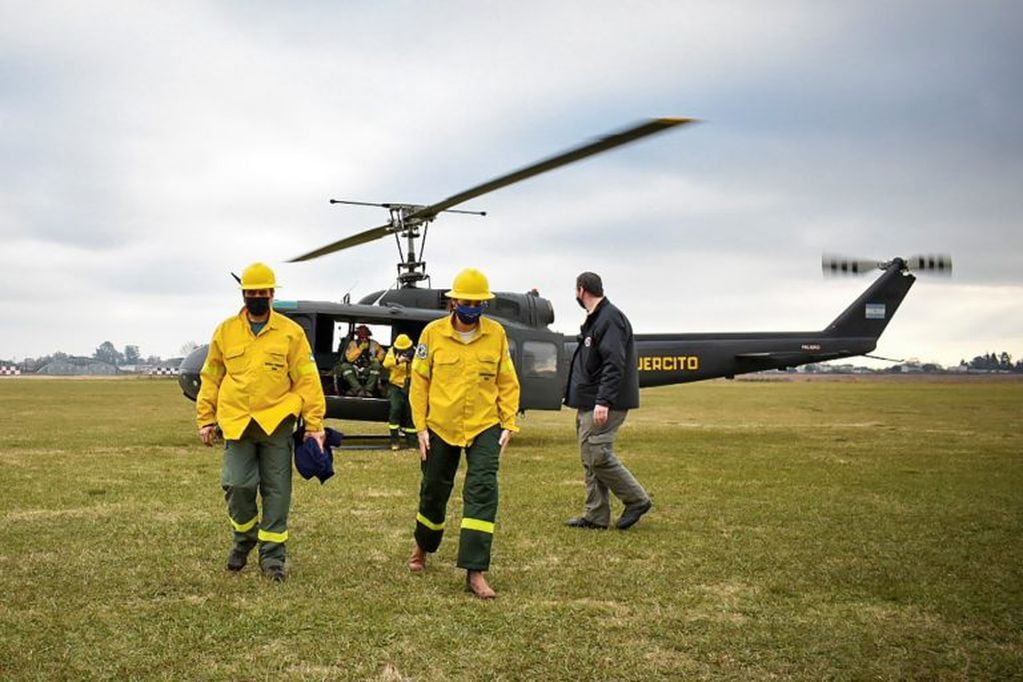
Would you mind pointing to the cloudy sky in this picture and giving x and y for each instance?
(149, 149)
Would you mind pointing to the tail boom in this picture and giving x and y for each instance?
(666, 359)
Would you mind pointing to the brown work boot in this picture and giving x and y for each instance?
(476, 583)
(417, 562)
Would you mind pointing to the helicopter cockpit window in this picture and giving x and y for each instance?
(539, 359)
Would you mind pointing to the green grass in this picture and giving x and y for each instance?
(801, 529)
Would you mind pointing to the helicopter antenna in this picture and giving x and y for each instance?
(348, 294)
(407, 219)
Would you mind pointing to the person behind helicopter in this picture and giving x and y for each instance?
(360, 364)
(397, 363)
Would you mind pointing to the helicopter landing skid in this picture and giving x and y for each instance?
(365, 442)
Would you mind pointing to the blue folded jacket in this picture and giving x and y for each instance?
(310, 460)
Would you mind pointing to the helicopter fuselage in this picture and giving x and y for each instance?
(542, 357)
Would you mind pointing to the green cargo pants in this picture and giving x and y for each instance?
(358, 377)
(479, 497)
(399, 418)
(262, 462)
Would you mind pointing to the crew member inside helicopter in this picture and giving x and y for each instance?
(358, 372)
(397, 363)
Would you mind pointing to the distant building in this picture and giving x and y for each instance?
(9, 371)
(77, 366)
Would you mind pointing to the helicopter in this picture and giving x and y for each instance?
(542, 356)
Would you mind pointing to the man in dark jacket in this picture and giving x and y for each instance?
(603, 385)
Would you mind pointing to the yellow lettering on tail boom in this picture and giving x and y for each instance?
(669, 363)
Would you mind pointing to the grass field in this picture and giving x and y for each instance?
(801, 529)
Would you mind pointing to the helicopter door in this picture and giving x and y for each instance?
(538, 362)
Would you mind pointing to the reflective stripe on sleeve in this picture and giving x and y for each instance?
(267, 536)
(244, 527)
(479, 524)
(421, 367)
(428, 523)
(213, 370)
(304, 370)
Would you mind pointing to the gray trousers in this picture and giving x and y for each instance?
(604, 471)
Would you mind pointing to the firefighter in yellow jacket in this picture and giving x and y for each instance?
(464, 395)
(258, 377)
(360, 365)
(397, 363)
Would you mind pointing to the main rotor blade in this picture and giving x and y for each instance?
(599, 145)
(354, 240)
(602, 144)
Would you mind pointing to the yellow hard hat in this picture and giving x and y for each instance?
(471, 285)
(258, 276)
(403, 342)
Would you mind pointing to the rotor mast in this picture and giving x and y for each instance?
(410, 270)
(405, 223)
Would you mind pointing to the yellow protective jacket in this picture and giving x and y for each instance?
(354, 350)
(398, 372)
(461, 389)
(266, 377)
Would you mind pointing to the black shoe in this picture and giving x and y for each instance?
(275, 572)
(631, 514)
(237, 559)
(583, 522)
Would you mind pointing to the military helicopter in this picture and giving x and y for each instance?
(541, 355)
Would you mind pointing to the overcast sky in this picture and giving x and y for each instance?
(149, 149)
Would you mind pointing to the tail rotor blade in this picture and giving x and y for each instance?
(939, 264)
(840, 265)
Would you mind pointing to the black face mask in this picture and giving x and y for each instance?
(580, 302)
(257, 307)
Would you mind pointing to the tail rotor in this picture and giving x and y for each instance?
(835, 266)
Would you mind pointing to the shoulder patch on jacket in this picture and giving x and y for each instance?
(421, 351)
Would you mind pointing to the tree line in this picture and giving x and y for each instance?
(993, 362)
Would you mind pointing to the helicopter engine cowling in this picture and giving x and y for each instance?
(529, 309)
